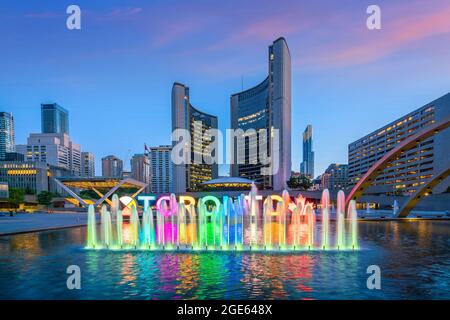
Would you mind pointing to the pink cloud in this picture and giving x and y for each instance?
(393, 37)
(123, 12)
(263, 29)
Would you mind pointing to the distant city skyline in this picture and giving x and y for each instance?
(307, 165)
(114, 76)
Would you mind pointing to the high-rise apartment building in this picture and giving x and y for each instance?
(54, 118)
(335, 177)
(6, 134)
(161, 169)
(413, 168)
(140, 168)
(112, 167)
(189, 175)
(261, 110)
(87, 164)
(307, 166)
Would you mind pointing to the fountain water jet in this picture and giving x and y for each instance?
(340, 218)
(219, 225)
(92, 226)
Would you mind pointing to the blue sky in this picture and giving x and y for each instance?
(115, 74)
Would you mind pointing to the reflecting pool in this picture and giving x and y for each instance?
(414, 258)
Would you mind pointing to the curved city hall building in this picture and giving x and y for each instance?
(188, 177)
(266, 106)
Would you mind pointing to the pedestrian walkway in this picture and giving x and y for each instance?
(29, 222)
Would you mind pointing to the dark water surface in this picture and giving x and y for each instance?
(413, 256)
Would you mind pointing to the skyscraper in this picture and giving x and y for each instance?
(112, 167)
(161, 169)
(54, 119)
(6, 134)
(140, 168)
(189, 176)
(307, 166)
(87, 164)
(264, 108)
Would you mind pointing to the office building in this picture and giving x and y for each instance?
(31, 176)
(307, 166)
(87, 164)
(6, 134)
(112, 167)
(261, 110)
(413, 168)
(189, 175)
(55, 149)
(335, 177)
(140, 168)
(161, 169)
(54, 119)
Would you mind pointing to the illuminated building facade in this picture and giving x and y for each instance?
(307, 166)
(228, 184)
(263, 108)
(55, 149)
(6, 134)
(189, 176)
(30, 175)
(414, 168)
(161, 169)
(335, 177)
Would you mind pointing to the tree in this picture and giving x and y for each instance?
(16, 197)
(301, 182)
(45, 198)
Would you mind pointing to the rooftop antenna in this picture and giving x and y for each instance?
(242, 83)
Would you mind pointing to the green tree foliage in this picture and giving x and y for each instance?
(301, 182)
(16, 197)
(45, 198)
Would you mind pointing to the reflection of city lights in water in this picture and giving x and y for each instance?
(128, 275)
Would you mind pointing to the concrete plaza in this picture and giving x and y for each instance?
(29, 222)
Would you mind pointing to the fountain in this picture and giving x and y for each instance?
(340, 216)
(241, 223)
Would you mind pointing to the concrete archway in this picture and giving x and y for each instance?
(402, 147)
(426, 188)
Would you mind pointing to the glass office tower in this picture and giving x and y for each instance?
(6, 134)
(265, 107)
(54, 119)
(189, 176)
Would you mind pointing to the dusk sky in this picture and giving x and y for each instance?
(115, 74)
